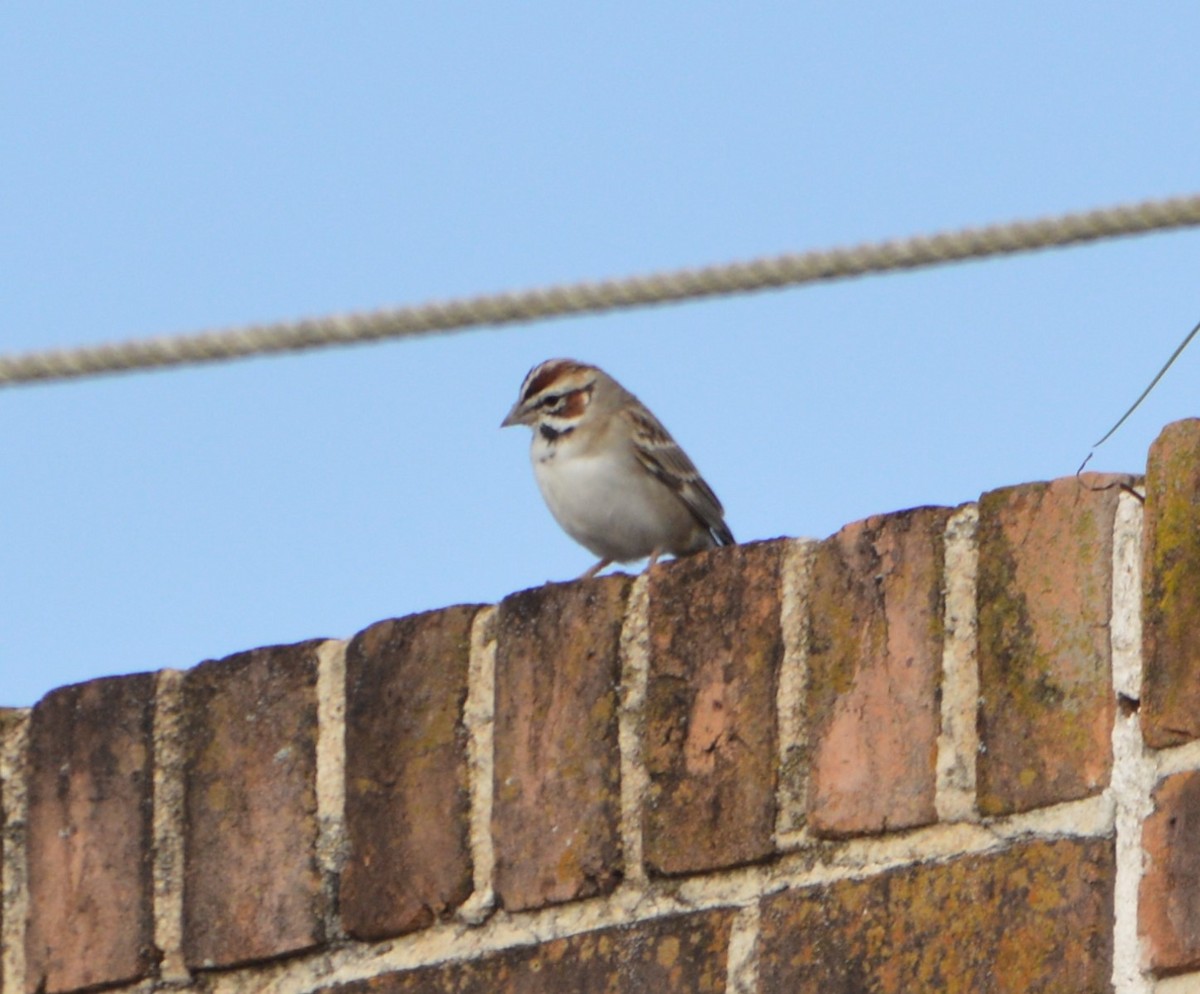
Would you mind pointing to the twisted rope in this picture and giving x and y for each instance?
(609, 295)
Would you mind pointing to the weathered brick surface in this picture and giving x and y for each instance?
(679, 955)
(715, 650)
(875, 664)
(1036, 918)
(1171, 587)
(556, 814)
(89, 830)
(252, 889)
(1045, 596)
(1169, 903)
(407, 802)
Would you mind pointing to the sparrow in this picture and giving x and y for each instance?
(611, 474)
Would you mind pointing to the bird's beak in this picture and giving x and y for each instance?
(516, 416)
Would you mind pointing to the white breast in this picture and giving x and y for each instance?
(608, 503)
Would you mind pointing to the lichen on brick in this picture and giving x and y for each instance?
(557, 774)
(716, 645)
(874, 673)
(1044, 598)
(1171, 598)
(1035, 918)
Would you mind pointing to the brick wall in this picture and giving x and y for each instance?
(948, 749)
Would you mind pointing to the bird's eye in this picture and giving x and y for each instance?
(551, 400)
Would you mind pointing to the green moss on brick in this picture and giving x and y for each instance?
(1036, 918)
(1171, 590)
(1044, 597)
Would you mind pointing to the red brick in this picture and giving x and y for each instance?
(407, 801)
(875, 665)
(89, 832)
(252, 889)
(556, 814)
(710, 744)
(1034, 919)
(1045, 595)
(1171, 587)
(1169, 903)
(679, 955)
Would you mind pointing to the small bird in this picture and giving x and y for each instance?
(611, 474)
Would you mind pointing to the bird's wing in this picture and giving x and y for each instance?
(662, 456)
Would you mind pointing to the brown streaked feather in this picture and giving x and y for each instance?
(543, 375)
(661, 455)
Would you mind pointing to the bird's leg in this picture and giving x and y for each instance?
(596, 569)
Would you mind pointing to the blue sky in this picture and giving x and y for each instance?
(173, 167)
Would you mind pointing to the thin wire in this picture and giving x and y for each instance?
(1145, 393)
(1137, 403)
(609, 295)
